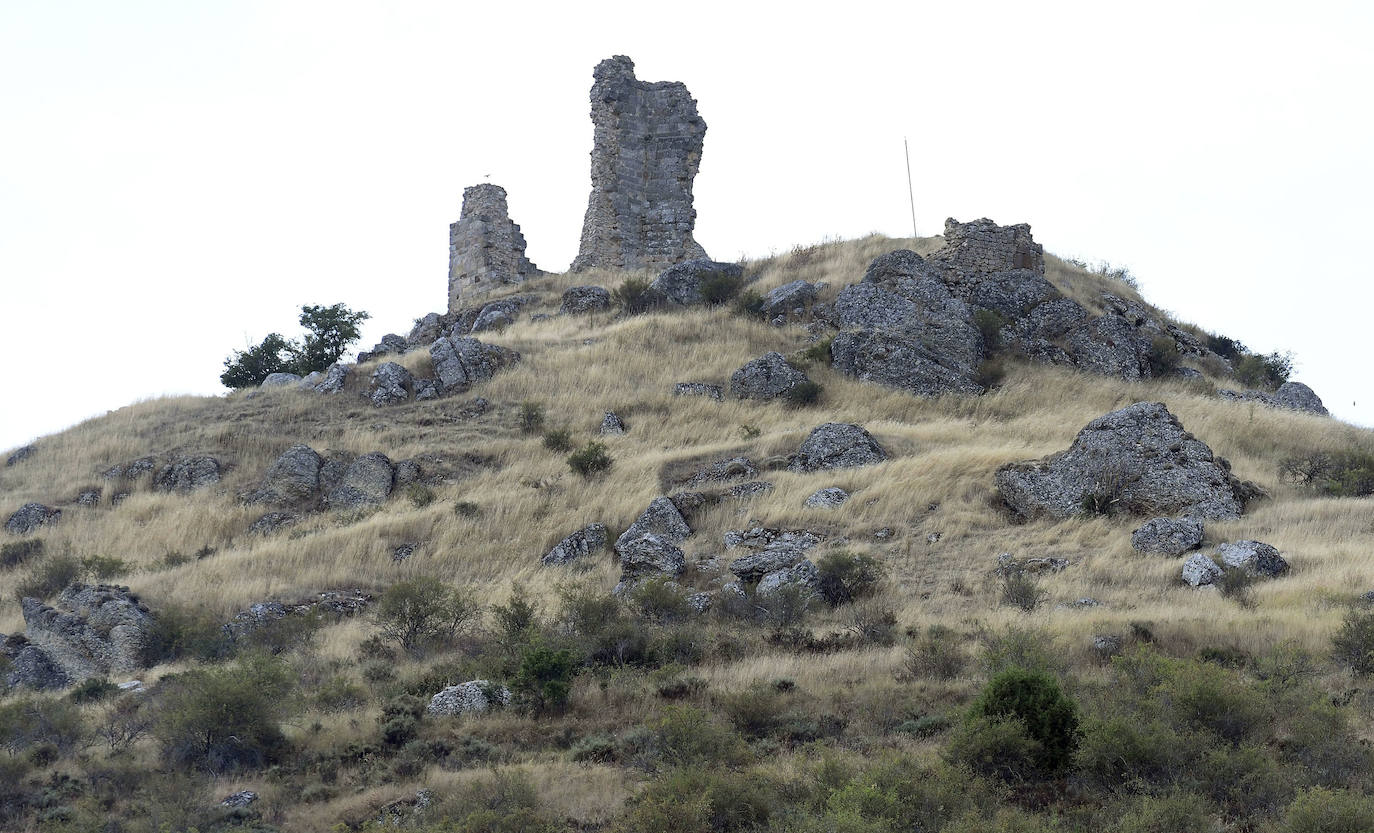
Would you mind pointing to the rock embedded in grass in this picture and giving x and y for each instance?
(280, 380)
(836, 445)
(187, 474)
(29, 517)
(661, 518)
(582, 543)
(612, 424)
(584, 299)
(472, 697)
(390, 384)
(1254, 557)
(367, 481)
(827, 498)
(790, 299)
(1168, 536)
(293, 477)
(767, 377)
(683, 283)
(698, 389)
(1199, 571)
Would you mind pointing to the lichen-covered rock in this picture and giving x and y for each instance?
(1254, 557)
(756, 565)
(743, 491)
(485, 248)
(472, 697)
(92, 630)
(803, 575)
(497, 315)
(767, 377)
(698, 389)
(612, 424)
(1168, 536)
(837, 445)
(773, 549)
(645, 156)
(131, 470)
(20, 455)
(982, 247)
(1109, 345)
(1199, 570)
(587, 540)
(827, 498)
(390, 384)
(788, 299)
(367, 481)
(187, 474)
(661, 518)
(1299, 397)
(896, 360)
(583, 299)
(647, 555)
(1139, 460)
(271, 523)
(1009, 294)
(90, 496)
(464, 361)
(682, 284)
(334, 379)
(29, 517)
(240, 799)
(293, 477)
(29, 666)
(280, 380)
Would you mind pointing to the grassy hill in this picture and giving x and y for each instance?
(817, 720)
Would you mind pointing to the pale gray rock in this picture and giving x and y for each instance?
(31, 516)
(497, 315)
(756, 565)
(827, 498)
(700, 602)
(1168, 536)
(1299, 397)
(310, 380)
(293, 477)
(584, 299)
(334, 379)
(582, 543)
(767, 377)
(647, 555)
(722, 471)
(698, 389)
(837, 445)
(485, 248)
(280, 380)
(187, 474)
(682, 284)
(464, 361)
(367, 481)
(240, 799)
(645, 155)
(661, 518)
(1254, 557)
(427, 328)
(91, 631)
(790, 299)
(1138, 460)
(773, 549)
(1106, 645)
(472, 697)
(612, 424)
(390, 384)
(272, 522)
(803, 575)
(391, 344)
(1199, 570)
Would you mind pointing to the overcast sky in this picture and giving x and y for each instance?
(177, 178)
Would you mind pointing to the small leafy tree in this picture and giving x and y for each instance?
(329, 332)
(222, 719)
(421, 610)
(544, 680)
(1023, 711)
(247, 368)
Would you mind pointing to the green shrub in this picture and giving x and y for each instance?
(1021, 590)
(990, 325)
(1034, 700)
(1338, 474)
(990, 373)
(700, 800)
(819, 352)
(504, 802)
(685, 735)
(1227, 348)
(902, 794)
(803, 395)
(531, 417)
(719, 288)
(518, 619)
(754, 712)
(1329, 811)
(339, 693)
(936, 654)
(92, 689)
(749, 304)
(419, 495)
(595, 749)
(1129, 748)
(1019, 647)
(634, 296)
(17, 552)
(1173, 813)
(1352, 646)
(845, 576)
(223, 719)
(422, 610)
(1163, 356)
(183, 632)
(400, 719)
(659, 599)
(29, 721)
(50, 578)
(1260, 371)
(558, 439)
(466, 509)
(590, 460)
(247, 368)
(102, 568)
(544, 680)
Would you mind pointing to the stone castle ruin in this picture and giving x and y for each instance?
(485, 249)
(646, 153)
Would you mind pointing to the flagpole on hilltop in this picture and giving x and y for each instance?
(909, 190)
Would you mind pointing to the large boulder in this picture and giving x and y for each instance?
(463, 362)
(187, 474)
(1299, 397)
(836, 445)
(334, 379)
(29, 517)
(92, 631)
(649, 555)
(1254, 557)
(767, 377)
(1168, 536)
(803, 575)
(497, 314)
(1138, 460)
(367, 481)
(390, 384)
(682, 284)
(582, 543)
(280, 380)
(660, 518)
(292, 477)
(472, 697)
(897, 360)
(1110, 346)
(583, 299)
(789, 299)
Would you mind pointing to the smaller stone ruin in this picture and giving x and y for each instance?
(485, 249)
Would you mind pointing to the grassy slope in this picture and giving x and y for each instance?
(939, 480)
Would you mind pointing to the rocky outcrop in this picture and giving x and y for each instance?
(791, 300)
(803, 576)
(1108, 345)
(367, 481)
(827, 498)
(187, 474)
(332, 605)
(1254, 557)
(1168, 536)
(462, 362)
(472, 697)
(896, 360)
(31, 516)
(661, 518)
(1295, 396)
(390, 384)
(29, 667)
(485, 249)
(767, 377)
(583, 299)
(293, 477)
(334, 379)
(92, 631)
(582, 543)
(684, 284)
(390, 345)
(272, 522)
(836, 445)
(1137, 460)
(645, 154)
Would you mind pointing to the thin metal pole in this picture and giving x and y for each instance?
(909, 190)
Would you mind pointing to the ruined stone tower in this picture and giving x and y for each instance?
(646, 152)
(485, 249)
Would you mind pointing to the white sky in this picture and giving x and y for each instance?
(177, 178)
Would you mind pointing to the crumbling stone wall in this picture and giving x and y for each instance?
(485, 249)
(645, 155)
(982, 247)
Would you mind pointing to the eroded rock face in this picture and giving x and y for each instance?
(187, 474)
(612, 424)
(645, 156)
(473, 697)
(767, 377)
(485, 249)
(1168, 536)
(803, 575)
(1139, 460)
(836, 445)
(463, 362)
(390, 384)
(29, 517)
(92, 630)
(30, 667)
(584, 299)
(367, 481)
(661, 518)
(582, 543)
(293, 477)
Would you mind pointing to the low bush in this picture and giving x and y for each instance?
(634, 296)
(544, 679)
(531, 417)
(50, 577)
(1163, 356)
(1019, 647)
(899, 793)
(686, 736)
(990, 326)
(1261, 371)
(1021, 590)
(590, 460)
(1033, 700)
(466, 509)
(102, 568)
(17, 552)
(701, 799)
(749, 304)
(92, 690)
(936, 654)
(419, 495)
(400, 719)
(845, 576)
(181, 632)
(1335, 474)
(803, 395)
(1352, 646)
(558, 439)
(819, 352)
(28, 721)
(424, 610)
(220, 720)
(720, 288)
(659, 599)
(1329, 811)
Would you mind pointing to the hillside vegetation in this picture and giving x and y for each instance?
(919, 704)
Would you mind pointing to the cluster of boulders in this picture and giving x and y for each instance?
(301, 479)
(90, 631)
(176, 474)
(1255, 558)
(328, 604)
